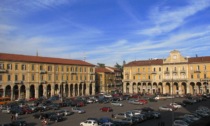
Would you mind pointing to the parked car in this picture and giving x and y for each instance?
(64, 112)
(175, 105)
(180, 123)
(19, 123)
(56, 118)
(135, 102)
(165, 108)
(120, 116)
(116, 103)
(106, 109)
(5, 110)
(78, 110)
(89, 123)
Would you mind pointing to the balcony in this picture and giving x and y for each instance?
(153, 72)
(174, 71)
(3, 71)
(126, 80)
(176, 80)
(73, 72)
(197, 71)
(182, 71)
(167, 72)
(92, 73)
(18, 82)
(64, 81)
(145, 80)
(43, 82)
(43, 71)
(138, 73)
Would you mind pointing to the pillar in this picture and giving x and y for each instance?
(52, 91)
(93, 89)
(36, 92)
(87, 92)
(124, 87)
(27, 92)
(180, 88)
(130, 88)
(164, 88)
(188, 88)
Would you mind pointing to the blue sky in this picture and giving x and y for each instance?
(105, 31)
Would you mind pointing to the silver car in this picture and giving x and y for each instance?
(165, 108)
(180, 123)
(115, 103)
(78, 110)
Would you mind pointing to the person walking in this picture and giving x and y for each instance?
(12, 118)
(16, 116)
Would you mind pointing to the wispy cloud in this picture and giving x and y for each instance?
(166, 20)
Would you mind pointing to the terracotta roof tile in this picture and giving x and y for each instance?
(199, 59)
(145, 62)
(103, 70)
(39, 59)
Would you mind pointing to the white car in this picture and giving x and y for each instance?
(165, 108)
(175, 105)
(89, 123)
(115, 103)
(78, 110)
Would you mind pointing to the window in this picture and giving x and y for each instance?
(76, 69)
(76, 77)
(138, 69)
(159, 68)
(154, 69)
(80, 77)
(9, 77)
(191, 76)
(1, 77)
(85, 78)
(32, 77)
(166, 68)
(204, 67)
(134, 77)
(72, 77)
(56, 68)
(23, 67)
(159, 76)
(205, 76)
(72, 69)
(16, 77)
(80, 69)
(49, 68)
(174, 68)
(62, 77)
(62, 68)
(41, 67)
(67, 77)
(67, 69)
(16, 66)
(56, 77)
(41, 77)
(149, 77)
(198, 75)
(198, 67)
(1, 66)
(32, 67)
(143, 69)
(23, 77)
(85, 69)
(49, 77)
(9, 66)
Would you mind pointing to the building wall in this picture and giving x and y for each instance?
(67, 78)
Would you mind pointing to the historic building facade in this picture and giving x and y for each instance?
(23, 76)
(174, 75)
(108, 79)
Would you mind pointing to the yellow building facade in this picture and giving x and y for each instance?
(23, 76)
(174, 75)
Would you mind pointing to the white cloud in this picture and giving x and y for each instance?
(169, 19)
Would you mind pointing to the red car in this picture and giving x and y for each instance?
(143, 101)
(106, 109)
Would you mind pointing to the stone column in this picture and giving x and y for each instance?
(164, 88)
(130, 88)
(87, 90)
(188, 88)
(12, 93)
(45, 90)
(171, 88)
(36, 92)
(124, 87)
(52, 91)
(4, 91)
(27, 92)
(180, 88)
(93, 89)
(64, 90)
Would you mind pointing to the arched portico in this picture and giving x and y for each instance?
(22, 91)
(32, 91)
(8, 91)
(48, 90)
(40, 90)
(71, 90)
(15, 92)
(76, 89)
